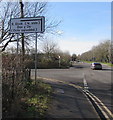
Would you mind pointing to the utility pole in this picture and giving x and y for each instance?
(22, 34)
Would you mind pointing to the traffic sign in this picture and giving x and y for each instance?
(27, 25)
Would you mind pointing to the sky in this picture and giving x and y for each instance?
(84, 24)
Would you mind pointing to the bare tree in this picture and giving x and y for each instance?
(49, 47)
(10, 10)
(6, 13)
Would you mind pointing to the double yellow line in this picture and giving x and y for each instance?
(93, 97)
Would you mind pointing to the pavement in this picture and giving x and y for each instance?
(69, 102)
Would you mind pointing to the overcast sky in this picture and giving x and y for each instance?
(84, 24)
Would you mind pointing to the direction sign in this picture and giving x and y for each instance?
(27, 25)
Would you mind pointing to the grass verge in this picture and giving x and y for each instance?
(36, 100)
(109, 64)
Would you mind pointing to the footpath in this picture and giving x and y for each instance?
(69, 102)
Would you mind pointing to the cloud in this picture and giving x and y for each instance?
(75, 45)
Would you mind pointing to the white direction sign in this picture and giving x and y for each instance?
(27, 25)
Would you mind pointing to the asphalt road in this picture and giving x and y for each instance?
(98, 82)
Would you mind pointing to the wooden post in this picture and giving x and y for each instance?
(22, 16)
(22, 34)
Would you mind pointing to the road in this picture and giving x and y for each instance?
(97, 82)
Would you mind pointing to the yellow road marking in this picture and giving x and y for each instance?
(102, 104)
(77, 86)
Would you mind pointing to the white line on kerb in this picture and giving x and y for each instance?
(85, 82)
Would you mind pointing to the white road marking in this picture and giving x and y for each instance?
(85, 82)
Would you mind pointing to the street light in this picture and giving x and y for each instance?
(59, 60)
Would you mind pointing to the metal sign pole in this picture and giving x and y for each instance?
(17, 43)
(17, 59)
(36, 59)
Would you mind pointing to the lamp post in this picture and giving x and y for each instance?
(59, 60)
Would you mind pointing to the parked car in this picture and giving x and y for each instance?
(96, 66)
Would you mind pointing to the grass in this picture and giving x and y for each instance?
(88, 61)
(36, 100)
(109, 64)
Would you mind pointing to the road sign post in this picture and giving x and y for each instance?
(28, 25)
(36, 59)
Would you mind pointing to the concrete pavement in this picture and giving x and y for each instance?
(69, 102)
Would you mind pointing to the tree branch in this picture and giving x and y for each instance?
(7, 43)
